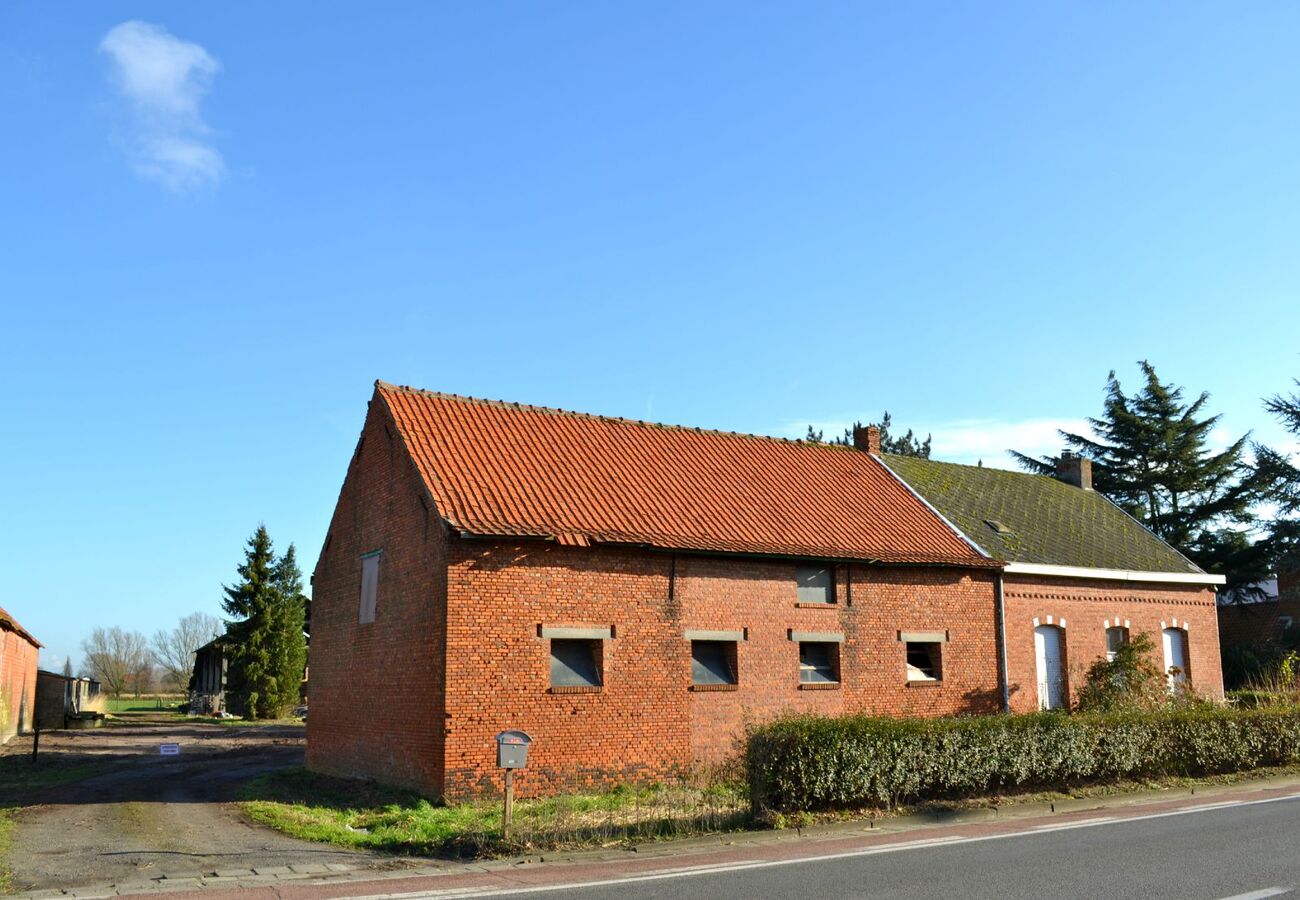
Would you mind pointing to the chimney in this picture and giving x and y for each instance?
(867, 437)
(1074, 469)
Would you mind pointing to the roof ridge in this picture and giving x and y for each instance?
(557, 411)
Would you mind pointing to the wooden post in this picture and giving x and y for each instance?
(36, 740)
(506, 819)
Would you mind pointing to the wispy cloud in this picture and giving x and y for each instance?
(969, 440)
(164, 80)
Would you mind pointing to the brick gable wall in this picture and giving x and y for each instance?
(17, 684)
(376, 693)
(1085, 607)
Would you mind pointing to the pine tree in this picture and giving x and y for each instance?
(251, 606)
(264, 642)
(1282, 478)
(289, 656)
(1150, 457)
(904, 445)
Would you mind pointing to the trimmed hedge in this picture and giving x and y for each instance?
(811, 762)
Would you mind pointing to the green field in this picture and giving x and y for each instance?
(143, 704)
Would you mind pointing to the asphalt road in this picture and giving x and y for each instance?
(1242, 852)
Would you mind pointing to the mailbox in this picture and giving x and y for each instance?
(512, 749)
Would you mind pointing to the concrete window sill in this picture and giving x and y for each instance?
(576, 689)
(819, 685)
(713, 687)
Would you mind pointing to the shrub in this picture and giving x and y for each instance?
(1129, 680)
(810, 762)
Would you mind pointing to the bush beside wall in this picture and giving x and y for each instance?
(811, 762)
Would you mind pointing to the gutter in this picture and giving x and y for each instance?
(1004, 677)
(1052, 571)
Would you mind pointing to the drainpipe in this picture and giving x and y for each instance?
(1003, 678)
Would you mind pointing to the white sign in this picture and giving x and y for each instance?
(169, 749)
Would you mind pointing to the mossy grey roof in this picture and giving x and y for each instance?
(1050, 522)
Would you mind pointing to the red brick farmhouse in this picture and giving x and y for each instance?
(630, 594)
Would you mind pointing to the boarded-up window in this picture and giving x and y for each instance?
(1116, 638)
(816, 584)
(713, 662)
(819, 662)
(575, 663)
(369, 586)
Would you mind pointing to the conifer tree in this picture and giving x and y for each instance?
(264, 644)
(289, 654)
(1150, 456)
(251, 605)
(903, 445)
(1282, 477)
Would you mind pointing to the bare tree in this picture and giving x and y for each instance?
(115, 658)
(174, 650)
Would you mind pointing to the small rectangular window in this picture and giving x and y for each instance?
(575, 662)
(924, 661)
(819, 662)
(1115, 638)
(369, 586)
(816, 584)
(713, 662)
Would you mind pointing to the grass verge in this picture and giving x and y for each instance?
(372, 816)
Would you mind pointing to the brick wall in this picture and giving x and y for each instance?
(1260, 624)
(1085, 608)
(17, 684)
(646, 721)
(377, 689)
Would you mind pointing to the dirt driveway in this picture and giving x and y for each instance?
(148, 815)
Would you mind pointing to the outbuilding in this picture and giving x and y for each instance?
(18, 655)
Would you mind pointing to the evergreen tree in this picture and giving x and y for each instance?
(264, 637)
(289, 656)
(904, 445)
(1150, 457)
(1282, 478)
(251, 606)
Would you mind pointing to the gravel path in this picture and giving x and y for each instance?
(150, 815)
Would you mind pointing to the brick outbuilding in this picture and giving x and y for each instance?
(631, 594)
(18, 652)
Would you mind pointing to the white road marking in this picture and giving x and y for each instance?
(719, 868)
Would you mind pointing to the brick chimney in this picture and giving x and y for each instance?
(867, 437)
(1074, 469)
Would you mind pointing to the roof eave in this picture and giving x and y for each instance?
(1055, 571)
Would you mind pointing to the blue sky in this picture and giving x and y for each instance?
(221, 226)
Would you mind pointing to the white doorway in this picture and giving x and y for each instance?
(1175, 657)
(1051, 677)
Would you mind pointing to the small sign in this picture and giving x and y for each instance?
(169, 749)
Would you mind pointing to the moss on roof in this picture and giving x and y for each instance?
(1051, 522)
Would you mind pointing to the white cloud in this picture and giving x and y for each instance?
(164, 80)
(970, 440)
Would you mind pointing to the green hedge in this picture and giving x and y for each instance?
(810, 762)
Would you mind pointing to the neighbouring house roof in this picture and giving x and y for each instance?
(505, 469)
(9, 623)
(1024, 518)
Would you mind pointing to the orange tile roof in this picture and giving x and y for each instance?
(11, 624)
(507, 469)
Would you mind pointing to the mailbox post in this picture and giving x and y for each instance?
(512, 753)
